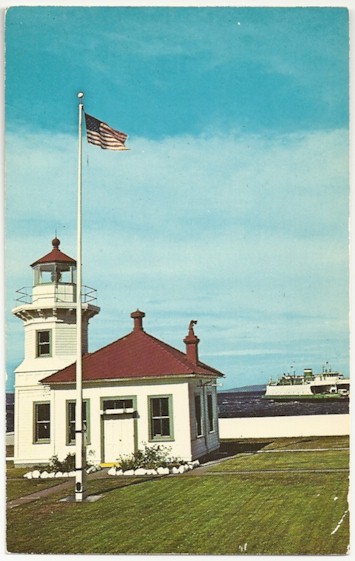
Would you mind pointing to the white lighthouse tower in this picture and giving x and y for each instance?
(48, 312)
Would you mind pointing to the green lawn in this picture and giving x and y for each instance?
(21, 488)
(309, 443)
(257, 513)
(17, 486)
(332, 459)
(293, 443)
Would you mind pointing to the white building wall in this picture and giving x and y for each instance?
(209, 440)
(28, 452)
(213, 437)
(30, 342)
(277, 427)
(43, 294)
(65, 340)
(30, 371)
(31, 329)
(180, 445)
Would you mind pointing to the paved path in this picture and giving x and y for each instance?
(63, 485)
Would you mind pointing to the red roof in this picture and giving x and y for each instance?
(55, 256)
(137, 355)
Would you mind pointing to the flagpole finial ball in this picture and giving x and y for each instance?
(80, 95)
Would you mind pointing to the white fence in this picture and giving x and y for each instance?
(277, 427)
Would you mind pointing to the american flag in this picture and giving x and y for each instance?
(101, 134)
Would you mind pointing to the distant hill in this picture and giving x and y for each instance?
(255, 388)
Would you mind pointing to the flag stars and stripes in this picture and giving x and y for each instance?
(101, 134)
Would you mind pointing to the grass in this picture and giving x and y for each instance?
(293, 443)
(17, 486)
(21, 488)
(279, 460)
(309, 443)
(279, 513)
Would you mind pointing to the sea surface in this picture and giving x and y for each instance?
(252, 404)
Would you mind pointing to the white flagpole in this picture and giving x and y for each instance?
(80, 455)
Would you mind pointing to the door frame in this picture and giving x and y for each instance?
(104, 413)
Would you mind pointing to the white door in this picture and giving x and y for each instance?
(118, 436)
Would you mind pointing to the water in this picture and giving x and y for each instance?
(9, 412)
(246, 404)
(251, 404)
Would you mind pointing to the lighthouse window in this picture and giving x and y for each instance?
(50, 273)
(42, 422)
(43, 343)
(160, 411)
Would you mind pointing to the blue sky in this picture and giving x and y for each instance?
(231, 206)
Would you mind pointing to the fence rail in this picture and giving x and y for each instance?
(88, 295)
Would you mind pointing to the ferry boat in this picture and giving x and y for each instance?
(329, 384)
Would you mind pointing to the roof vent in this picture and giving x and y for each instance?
(138, 320)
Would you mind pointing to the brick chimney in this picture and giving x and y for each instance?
(191, 342)
(138, 320)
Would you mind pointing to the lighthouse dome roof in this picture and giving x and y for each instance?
(55, 256)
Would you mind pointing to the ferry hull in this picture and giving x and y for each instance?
(312, 397)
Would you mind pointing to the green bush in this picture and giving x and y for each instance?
(68, 464)
(127, 462)
(151, 457)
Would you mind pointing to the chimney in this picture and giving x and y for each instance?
(191, 342)
(138, 320)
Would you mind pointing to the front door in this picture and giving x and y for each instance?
(118, 436)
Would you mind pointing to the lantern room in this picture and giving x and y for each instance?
(54, 276)
(54, 268)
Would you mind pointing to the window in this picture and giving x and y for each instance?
(49, 273)
(71, 408)
(210, 412)
(160, 418)
(42, 427)
(43, 343)
(117, 404)
(198, 415)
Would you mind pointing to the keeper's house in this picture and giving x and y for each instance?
(137, 390)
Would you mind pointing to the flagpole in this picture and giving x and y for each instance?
(80, 455)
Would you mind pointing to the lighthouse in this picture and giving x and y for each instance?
(48, 312)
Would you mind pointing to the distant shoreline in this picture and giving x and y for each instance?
(254, 388)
